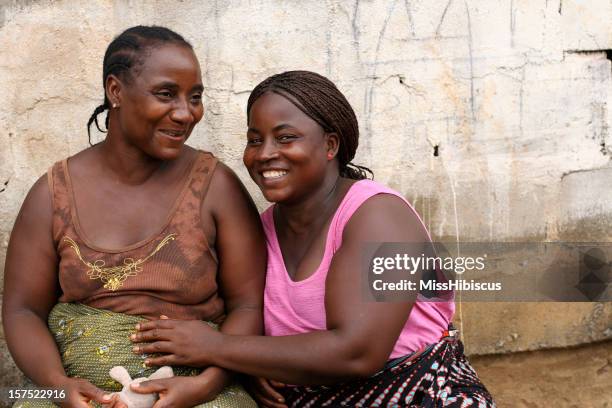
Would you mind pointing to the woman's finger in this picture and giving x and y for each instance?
(155, 324)
(96, 394)
(261, 399)
(148, 387)
(116, 402)
(277, 384)
(168, 359)
(153, 348)
(269, 392)
(150, 335)
(269, 403)
(119, 402)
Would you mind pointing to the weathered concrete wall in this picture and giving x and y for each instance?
(512, 94)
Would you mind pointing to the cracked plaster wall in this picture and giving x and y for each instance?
(491, 117)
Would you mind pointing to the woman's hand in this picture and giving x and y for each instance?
(265, 393)
(178, 392)
(182, 342)
(80, 392)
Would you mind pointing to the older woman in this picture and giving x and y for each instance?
(340, 347)
(137, 226)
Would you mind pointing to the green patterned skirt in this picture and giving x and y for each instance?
(92, 341)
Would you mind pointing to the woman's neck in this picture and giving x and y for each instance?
(301, 216)
(127, 163)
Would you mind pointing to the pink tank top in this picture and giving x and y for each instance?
(299, 307)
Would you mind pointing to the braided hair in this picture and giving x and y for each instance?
(319, 98)
(126, 52)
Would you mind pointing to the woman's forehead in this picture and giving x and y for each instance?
(272, 103)
(170, 60)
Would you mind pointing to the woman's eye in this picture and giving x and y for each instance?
(286, 138)
(196, 98)
(253, 142)
(164, 94)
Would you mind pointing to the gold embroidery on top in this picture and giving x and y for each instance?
(114, 276)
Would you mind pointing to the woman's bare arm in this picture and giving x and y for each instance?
(360, 333)
(31, 289)
(241, 249)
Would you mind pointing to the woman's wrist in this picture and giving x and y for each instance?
(211, 348)
(55, 380)
(211, 382)
(217, 376)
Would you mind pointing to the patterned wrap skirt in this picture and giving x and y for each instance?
(92, 341)
(438, 376)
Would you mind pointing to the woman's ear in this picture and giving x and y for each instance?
(113, 88)
(332, 145)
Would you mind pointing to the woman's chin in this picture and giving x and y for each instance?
(273, 195)
(167, 152)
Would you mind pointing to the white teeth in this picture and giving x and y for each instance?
(273, 173)
(174, 133)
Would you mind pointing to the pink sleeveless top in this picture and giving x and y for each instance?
(299, 307)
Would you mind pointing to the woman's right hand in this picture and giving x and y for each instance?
(80, 392)
(265, 393)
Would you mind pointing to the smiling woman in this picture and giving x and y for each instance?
(336, 346)
(161, 104)
(132, 228)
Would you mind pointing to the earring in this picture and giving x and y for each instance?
(114, 105)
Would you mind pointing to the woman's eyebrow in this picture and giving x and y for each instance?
(282, 126)
(274, 129)
(166, 84)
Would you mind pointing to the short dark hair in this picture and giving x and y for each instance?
(321, 100)
(127, 51)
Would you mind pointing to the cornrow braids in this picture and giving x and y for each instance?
(126, 52)
(321, 100)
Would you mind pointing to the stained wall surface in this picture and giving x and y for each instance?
(492, 117)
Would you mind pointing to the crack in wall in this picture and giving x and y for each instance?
(3, 189)
(443, 17)
(607, 51)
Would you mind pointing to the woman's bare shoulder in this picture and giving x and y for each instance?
(387, 217)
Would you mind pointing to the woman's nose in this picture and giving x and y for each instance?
(181, 112)
(268, 150)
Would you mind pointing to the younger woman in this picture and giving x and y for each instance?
(339, 347)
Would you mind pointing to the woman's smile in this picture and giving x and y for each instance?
(174, 136)
(161, 106)
(286, 151)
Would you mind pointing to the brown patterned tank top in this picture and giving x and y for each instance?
(172, 273)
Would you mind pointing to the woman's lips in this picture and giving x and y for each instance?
(273, 176)
(178, 135)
